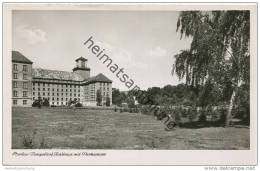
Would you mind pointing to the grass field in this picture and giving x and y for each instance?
(105, 129)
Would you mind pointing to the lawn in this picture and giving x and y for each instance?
(61, 128)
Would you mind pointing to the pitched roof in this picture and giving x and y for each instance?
(99, 78)
(20, 58)
(57, 75)
(81, 58)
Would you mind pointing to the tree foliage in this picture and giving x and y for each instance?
(218, 57)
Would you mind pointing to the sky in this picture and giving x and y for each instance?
(142, 42)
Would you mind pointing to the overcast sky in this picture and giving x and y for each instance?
(143, 43)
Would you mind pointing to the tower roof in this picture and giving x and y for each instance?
(81, 59)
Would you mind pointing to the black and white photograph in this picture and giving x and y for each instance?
(125, 79)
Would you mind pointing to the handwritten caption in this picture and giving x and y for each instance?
(55, 154)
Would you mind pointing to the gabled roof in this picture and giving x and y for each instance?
(56, 75)
(20, 58)
(81, 58)
(98, 78)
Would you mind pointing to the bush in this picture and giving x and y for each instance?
(192, 114)
(78, 105)
(43, 144)
(202, 116)
(28, 141)
(45, 102)
(223, 113)
(36, 103)
(145, 110)
(184, 112)
(177, 118)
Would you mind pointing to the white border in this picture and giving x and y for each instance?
(131, 157)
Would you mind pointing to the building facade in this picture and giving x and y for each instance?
(21, 80)
(60, 87)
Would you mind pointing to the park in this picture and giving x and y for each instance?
(83, 128)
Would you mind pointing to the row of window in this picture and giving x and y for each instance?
(15, 93)
(24, 102)
(58, 85)
(25, 84)
(43, 89)
(25, 67)
(48, 94)
(15, 76)
(53, 99)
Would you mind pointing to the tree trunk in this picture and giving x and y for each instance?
(231, 104)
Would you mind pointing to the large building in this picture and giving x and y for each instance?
(59, 87)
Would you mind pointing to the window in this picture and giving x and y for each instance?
(15, 102)
(15, 67)
(14, 84)
(57, 99)
(33, 88)
(33, 98)
(24, 93)
(79, 95)
(33, 93)
(53, 89)
(25, 68)
(57, 103)
(25, 85)
(15, 94)
(39, 94)
(39, 89)
(53, 94)
(62, 103)
(15, 75)
(24, 102)
(43, 93)
(43, 84)
(25, 76)
(48, 89)
(53, 98)
(57, 94)
(61, 99)
(39, 84)
(48, 94)
(33, 84)
(43, 89)
(53, 103)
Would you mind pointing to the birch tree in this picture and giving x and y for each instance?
(219, 50)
